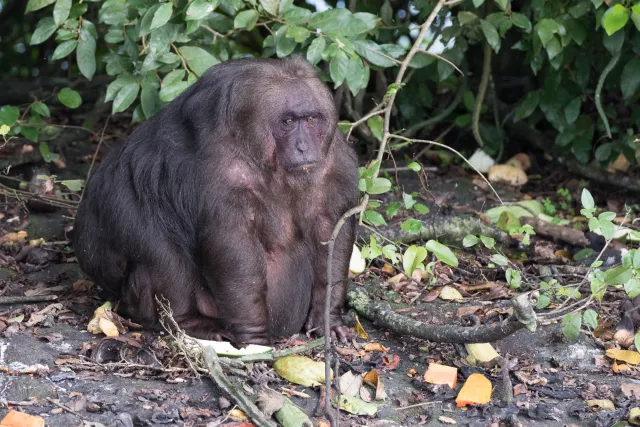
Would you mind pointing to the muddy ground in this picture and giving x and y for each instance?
(152, 387)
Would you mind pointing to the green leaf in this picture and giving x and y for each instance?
(284, 45)
(618, 275)
(499, 259)
(630, 78)
(246, 19)
(420, 208)
(635, 16)
(615, 18)
(64, 49)
(61, 11)
(199, 9)
(150, 101)
(632, 287)
(521, 21)
(514, 278)
(45, 28)
(357, 76)
(198, 59)
(546, 29)
(470, 240)
(338, 67)
(527, 106)
(572, 110)
(69, 98)
(73, 184)
(376, 124)
(490, 34)
(373, 218)
(571, 324)
(147, 19)
(299, 34)
(587, 199)
(271, 6)
(40, 108)
(590, 318)
(373, 53)
(579, 9)
(412, 225)
(478, 3)
(603, 153)
(314, 52)
(414, 166)
(169, 92)
(488, 242)
(412, 258)
(502, 4)
(47, 155)
(9, 115)
(613, 43)
(386, 13)
(378, 185)
(33, 5)
(465, 17)
(442, 252)
(341, 22)
(162, 15)
(636, 259)
(408, 200)
(125, 97)
(86, 53)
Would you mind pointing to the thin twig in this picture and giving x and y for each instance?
(66, 408)
(28, 299)
(442, 58)
(95, 154)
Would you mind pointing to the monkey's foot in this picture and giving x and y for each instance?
(339, 331)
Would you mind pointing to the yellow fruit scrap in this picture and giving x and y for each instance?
(475, 391)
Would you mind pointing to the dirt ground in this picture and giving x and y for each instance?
(57, 362)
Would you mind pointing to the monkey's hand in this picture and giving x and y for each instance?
(339, 331)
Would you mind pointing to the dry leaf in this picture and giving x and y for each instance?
(520, 160)
(449, 293)
(108, 327)
(475, 391)
(372, 378)
(446, 420)
(391, 361)
(631, 390)
(602, 403)
(441, 374)
(508, 174)
(619, 367)
(82, 285)
(632, 357)
(350, 384)
(360, 330)
(375, 346)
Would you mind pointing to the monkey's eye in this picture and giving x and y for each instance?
(288, 122)
(310, 120)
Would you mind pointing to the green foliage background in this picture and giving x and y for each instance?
(571, 64)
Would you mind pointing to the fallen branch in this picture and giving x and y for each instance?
(381, 313)
(557, 232)
(219, 378)
(446, 228)
(28, 300)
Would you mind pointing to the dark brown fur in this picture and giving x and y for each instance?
(221, 206)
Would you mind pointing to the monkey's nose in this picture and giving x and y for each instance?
(302, 145)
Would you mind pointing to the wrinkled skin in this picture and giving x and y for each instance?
(221, 205)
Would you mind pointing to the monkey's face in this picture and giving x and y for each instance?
(301, 130)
